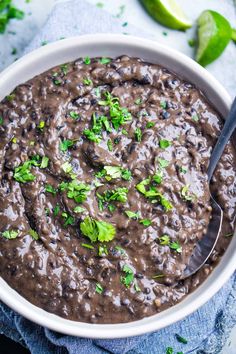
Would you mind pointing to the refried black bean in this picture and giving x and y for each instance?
(164, 138)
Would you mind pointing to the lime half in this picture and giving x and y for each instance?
(168, 13)
(214, 34)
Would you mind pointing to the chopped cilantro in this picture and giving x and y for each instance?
(98, 122)
(66, 144)
(50, 189)
(97, 230)
(41, 125)
(64, 69)
(23, 173)
(185, 194)
(119, 194)
(163, 104)
(105, 60)
(125, 24)
(78, 209)
(56, 210)
(74, 115)
(164, 240)
(75, 190)
(100, 4)
(195, 117)
(99, 288)
(150, 125)
(112, 172)
(119, 115)
(121, 250)
(69, 220)
(176, 247)
(10, 234)
(87, 81)
(8, 12)
(34, 234)
(169, 350)
(86, 245)
(138, 101)
(121, 11)
(163, 163)
(43, 43)
(183, 169)
(164, 143)
(181, 339)
(141, 186)
(14, 140)
(137, 288)
(102, 250)
(128, 278)
(192, 42)
(109, 145)
(1, 120)
(138, 134)
(67, 167)
(14, 51)
(145, 222)
(87, 60)
(57, 82)
(153, 194)
(132, 215)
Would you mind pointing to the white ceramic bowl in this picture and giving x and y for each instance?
(114, 45)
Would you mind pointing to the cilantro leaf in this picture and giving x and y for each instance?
(99, 289)
(145, 222)
(34, 234)
(128, 278)
(74, 115)
(138, 135)
(181, 339)
(75, 190)
(105, 60)
(97, 230)
(176, 247)
(132, 215)
(164, 143)
(66, 144)
(87, 60)
(112, 172)
(50, 189)
(10, 234)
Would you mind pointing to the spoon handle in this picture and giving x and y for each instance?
(227, 131)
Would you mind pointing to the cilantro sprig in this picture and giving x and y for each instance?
(10, 234)
(97, 230)
(128, 278)
(23, 174)
(75, 190)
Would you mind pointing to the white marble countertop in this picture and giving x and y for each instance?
(20, 33)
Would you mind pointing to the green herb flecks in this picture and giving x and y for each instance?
(66, 144)
(138, 135)
(69, 220)
(87, 61)
(99, 289)
(115, 195)
(102, 250)
(164, 240)
(181, 339)
(75, 190)
(78, 209)
(186, 194)
(132, 214)
(23, 173)
(128, 278)
(51, 189)
(153, 194)
(8, 12)
(74, 115)
(164, 144)
(119, 115)
(113, 172)
(87, 245)
(87, 81)
(34, 234)
(99, 123)
(10, 234)
(145, 222)
(105, 61)
(97, 230)
(163, 104)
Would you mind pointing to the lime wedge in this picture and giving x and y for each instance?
(233, 37)
(168, 13)
(214, 34)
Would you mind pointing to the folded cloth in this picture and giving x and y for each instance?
(206, 330)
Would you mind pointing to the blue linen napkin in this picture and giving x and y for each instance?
(206, 330)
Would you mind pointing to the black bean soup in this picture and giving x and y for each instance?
(103, 188)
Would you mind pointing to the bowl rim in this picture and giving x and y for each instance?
(203, 293)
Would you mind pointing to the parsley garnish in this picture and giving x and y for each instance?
(57, 82)
(10, 234)
(67, 167)
(138, 134)
(109, 145)
(44, 162)
(153, 194)
(164, 143)
(169, 350)
(41, 125)
(97, 230)
(138, 101)
(99, 288)
(66, 144)
(56, 210)
(64, 69)
(176, 247)
(129, 276)
(150, 124)
(163, 163)
(165, 241)
(183, 169)
(119, 115)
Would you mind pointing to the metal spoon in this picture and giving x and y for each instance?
(206, 245)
